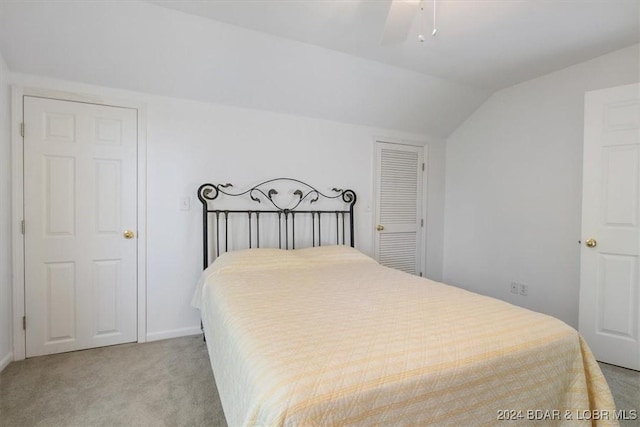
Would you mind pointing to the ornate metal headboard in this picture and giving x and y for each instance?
(302, 199)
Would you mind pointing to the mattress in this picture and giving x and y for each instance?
(327, 336)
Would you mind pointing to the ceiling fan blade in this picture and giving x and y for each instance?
(399, 20)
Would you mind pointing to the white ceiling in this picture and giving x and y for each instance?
(487, 44)
(320, 58)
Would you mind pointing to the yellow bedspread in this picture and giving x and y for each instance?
(326, 336)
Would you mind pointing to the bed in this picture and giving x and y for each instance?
(325, 336)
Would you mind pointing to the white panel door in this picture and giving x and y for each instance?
(79, 197)
(609, 281)
(399, 220)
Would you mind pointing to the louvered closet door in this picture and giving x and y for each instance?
(399, 220)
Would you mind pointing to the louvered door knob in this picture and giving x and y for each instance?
(380, 227)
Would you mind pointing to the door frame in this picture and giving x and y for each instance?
(425, 193)
(17, 186)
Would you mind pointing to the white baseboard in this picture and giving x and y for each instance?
(4, 362)
(173, 333)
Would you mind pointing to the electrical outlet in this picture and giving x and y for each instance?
(524, 289)
(515, 288)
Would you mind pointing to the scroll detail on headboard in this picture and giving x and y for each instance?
(303, 197)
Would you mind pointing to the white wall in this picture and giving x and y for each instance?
(435, 209)
(5, 220)
(190, 142)
(514, 185)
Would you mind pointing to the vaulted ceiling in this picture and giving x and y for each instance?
(481, 43)
(320, 58)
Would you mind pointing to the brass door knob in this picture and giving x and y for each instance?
(380, 227)
(591, 243)
(128, 234)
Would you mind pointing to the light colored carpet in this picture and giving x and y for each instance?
(162, 383)
(625, 387)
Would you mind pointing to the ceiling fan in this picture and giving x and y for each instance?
(400, 17)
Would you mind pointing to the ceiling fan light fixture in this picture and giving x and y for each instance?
(435, 30)
(421, 35)
(400, 18)
(434, 33)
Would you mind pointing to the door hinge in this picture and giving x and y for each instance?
(22, 226)
(24, 323)
(422, 164)
(422, 222)
(22, 129)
